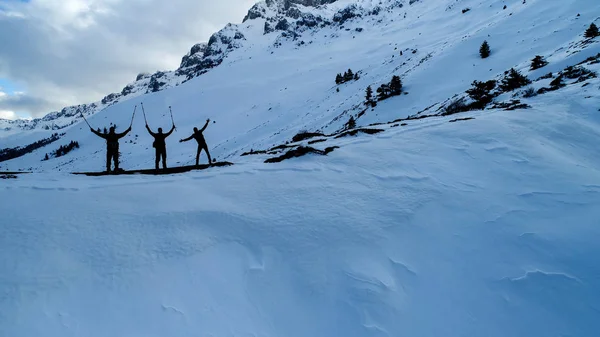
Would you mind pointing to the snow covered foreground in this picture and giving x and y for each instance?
(485, 227)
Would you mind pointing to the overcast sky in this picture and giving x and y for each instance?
(55, 53)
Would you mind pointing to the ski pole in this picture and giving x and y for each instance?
(144, 112)
(86, 122)
(172, 121)
(135, 108)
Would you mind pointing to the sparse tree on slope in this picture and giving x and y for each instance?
(395, 85)
(368, 95)
(484, 50)
(513, 80)
(592, 31)
(538, 62)
(481, 93)
(348, 76)
(383, 92)
(339, 79)
(351, 123)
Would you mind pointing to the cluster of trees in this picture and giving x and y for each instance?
(12, 153)
(62, 150)
(386, 90)
(483, 93)
(346, 77)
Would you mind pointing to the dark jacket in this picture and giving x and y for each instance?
(112, 139)
(159, 138)
(198, 136)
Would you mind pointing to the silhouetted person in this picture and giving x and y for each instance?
(112, 145)
(199, 137)
(160, 145)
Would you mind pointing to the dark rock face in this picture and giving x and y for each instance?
(282, 25)
(268, 29)
(204, 56)
(309, 3)
(155, 83)
(287, 6)
(346, 14)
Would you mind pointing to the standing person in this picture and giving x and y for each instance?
(160, 145)
(112, 145)
(199, 137)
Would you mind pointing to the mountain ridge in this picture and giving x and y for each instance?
(202, 57)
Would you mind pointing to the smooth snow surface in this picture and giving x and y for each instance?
(486, 227)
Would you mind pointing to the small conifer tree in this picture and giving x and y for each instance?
(557, 82)
(383, 92)
(338, 79)
(395, 86)
(368, 95)
(592, 31)
(351, 123)
(538, 62)
(481, 93)
(513, 80)
(484, 50)
(348, 76)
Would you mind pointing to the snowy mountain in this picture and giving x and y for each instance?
(201, 58)
(273, 75)
(459, 200)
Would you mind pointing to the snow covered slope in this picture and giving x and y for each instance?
(483, 227)
(273, 75)
(480, 223)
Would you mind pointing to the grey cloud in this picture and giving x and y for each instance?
(23, 102)
(76, 58)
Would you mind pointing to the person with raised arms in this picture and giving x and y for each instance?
(160, 145)
(199, 137)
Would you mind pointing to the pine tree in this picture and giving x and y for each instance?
(348, 76)
(46, 157)
(557, 82)
(592, 31)
(383, 92)
(481, 93)
(339, 79)
(351, 123)
(538, 62)
(395, 86)
(484, 50)
(368, 95)
(514, 80)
